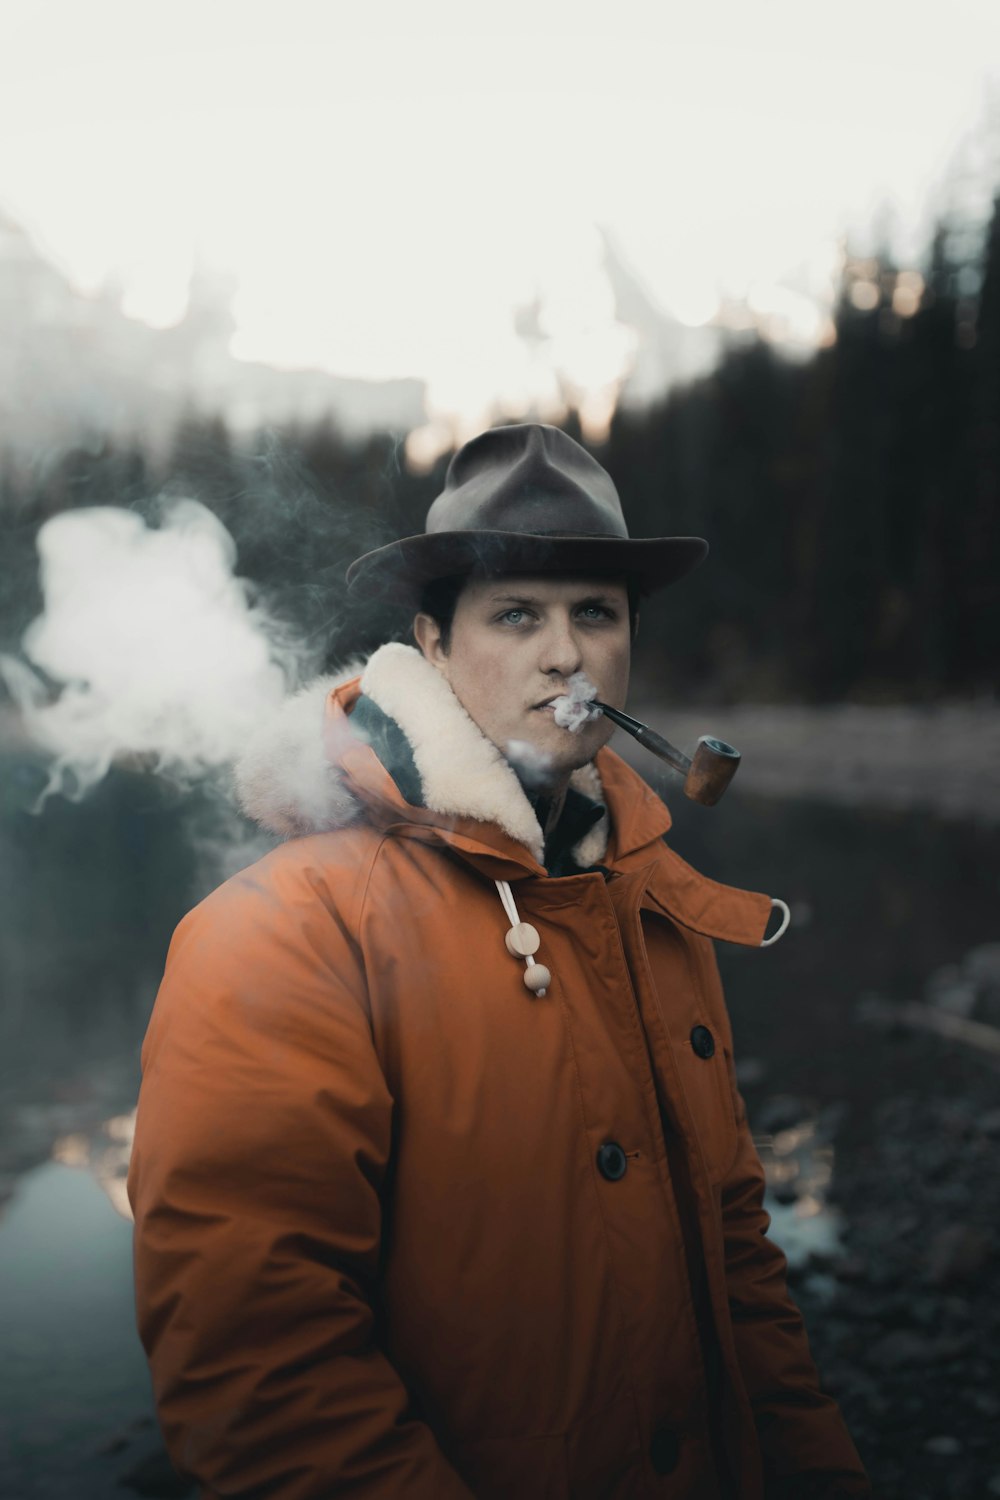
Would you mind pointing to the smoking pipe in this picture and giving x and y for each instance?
(706, 776)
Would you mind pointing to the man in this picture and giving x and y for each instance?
(442, 1184)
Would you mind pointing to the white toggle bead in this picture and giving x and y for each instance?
(522, 940)
(537, 978)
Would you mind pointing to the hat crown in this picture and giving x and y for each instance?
(530, 479)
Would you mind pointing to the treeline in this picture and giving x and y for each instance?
(852, 502)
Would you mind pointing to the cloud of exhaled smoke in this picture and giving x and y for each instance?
(149, 646)
(575, 708)
(534, 767)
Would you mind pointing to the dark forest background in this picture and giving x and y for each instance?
(852, 502)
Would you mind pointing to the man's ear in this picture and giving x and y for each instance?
(427, 634)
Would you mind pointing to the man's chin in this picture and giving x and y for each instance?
(549, 758)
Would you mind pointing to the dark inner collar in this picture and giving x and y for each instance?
(391, 746)
(578, 817)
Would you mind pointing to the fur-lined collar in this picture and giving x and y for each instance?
(289, 782)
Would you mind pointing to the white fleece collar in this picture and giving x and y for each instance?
(286, 783)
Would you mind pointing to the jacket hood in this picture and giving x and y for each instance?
(291, 779)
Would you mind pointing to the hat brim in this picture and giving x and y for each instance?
(404, 567)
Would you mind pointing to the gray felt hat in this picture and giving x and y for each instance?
(524, 499)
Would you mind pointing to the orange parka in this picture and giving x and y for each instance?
(404, 1228)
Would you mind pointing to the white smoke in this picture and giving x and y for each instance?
(532, 766)
(149, 645)
(575, 708)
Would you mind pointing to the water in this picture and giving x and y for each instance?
(89, 896)
(73, 1380)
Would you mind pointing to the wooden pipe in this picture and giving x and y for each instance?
(706, 775)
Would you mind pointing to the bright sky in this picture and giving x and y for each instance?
(388, 179)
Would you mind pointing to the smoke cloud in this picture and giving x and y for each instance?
(532, 766)
(575, 708)
(148, 647)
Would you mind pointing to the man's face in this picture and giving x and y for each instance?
(515, 642)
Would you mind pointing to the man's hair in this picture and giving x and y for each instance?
(440, 598)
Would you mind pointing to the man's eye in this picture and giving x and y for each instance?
(510, 614)
(596, 612)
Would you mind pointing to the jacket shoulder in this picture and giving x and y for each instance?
(329, 870)
(272, 953)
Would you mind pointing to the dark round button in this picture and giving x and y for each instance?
(664, 1450)
(703, 1041)
(611, 1161)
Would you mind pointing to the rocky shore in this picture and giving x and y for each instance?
(903, 1310)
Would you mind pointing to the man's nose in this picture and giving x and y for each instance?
(561, 650)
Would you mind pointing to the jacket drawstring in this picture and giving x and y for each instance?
(523, 942)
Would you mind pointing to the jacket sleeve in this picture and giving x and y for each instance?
(262, 1138)
(806, 1450)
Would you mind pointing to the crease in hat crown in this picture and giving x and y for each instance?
(529, 478)
(525, 498)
